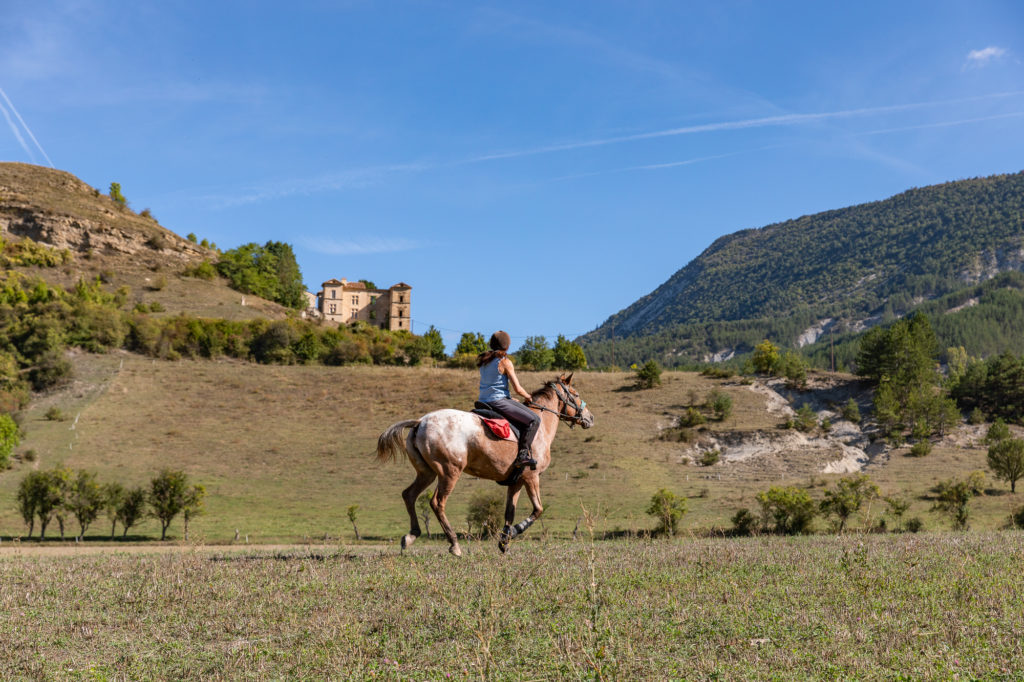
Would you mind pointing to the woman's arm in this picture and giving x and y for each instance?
(506, 368)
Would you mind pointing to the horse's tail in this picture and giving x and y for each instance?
(392, 441)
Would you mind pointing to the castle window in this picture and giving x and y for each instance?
(401, 298)
(355, 300)
(334, 293)
(334, 309)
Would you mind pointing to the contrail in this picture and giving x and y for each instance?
(781, 120)
(17, 134)
(27, 129)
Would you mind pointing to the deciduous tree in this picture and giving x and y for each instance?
(1006, 460)
(167, 497)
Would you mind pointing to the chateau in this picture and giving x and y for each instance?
(344, 302)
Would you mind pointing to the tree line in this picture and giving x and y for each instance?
(61, 494)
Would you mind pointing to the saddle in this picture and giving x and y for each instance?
(498, 425)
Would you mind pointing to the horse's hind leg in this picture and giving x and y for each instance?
(507, 533)
(410, 495)
(445, 485)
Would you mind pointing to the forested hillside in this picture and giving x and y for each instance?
(837, 273)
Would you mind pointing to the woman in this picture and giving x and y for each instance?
(496, 373)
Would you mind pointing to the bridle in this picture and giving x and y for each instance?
(568, 400)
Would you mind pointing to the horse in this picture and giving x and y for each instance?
(445, 443)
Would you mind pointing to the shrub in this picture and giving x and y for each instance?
(976, 417)
(851, 411)
(952, 499)
(157, 242)
(1017, 518)
(10, 436)
(743, 522)
(765, 359)
(915, 524)
(847, 497)
(157, 284)
(806, 419)
(54, 414)
(793, 367)
(921, 448)
(997, 432)
(146, 213)
(191, 236)
(486, 513)
(710, 457)
(692, 417)
(791, 508)
(668, 509)
(721, 405)
(717, 372)
(50, 370)
(204, 270)
(115, 194)
(649, 375)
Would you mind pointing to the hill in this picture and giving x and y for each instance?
(284, 450)
(115, 244)
(833, 273)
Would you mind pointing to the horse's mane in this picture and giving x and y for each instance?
(545, 391)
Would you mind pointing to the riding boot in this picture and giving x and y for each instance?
(524, 459)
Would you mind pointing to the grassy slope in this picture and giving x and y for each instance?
(906, 607)
(284, 450)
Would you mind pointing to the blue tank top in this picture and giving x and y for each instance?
(493, 384)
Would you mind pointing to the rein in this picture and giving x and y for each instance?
(567, 400)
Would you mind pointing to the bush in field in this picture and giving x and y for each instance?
(568, 355)
(42, 494)
(791, 509)
(274, 345)
(204, 270)
(720, 404)
(952, 499)
(486, 513)
(667, 508)
(897, 507)
(115, 194)
(851, 411)
(85, 500)
(536, 354)
(9, 438)
(794, 369)
(806, 419)
(167, 497)
(131, 508)
(997, 431)
(921, 448)
(692, 417)
(471, 343)
(649, 375)
(765, 358)
(848, 497)
(1017, 518)
(1006, 459)
(743, 522)
(434, 343)
(352, 512)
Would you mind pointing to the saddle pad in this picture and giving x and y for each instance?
(499, 427)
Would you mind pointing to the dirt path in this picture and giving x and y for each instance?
(31, 549)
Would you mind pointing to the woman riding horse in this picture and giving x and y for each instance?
(444, 444)
(496, 375)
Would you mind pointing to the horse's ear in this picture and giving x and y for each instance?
(568, 381)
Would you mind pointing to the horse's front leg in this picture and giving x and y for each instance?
(532, 485)
(507, 533)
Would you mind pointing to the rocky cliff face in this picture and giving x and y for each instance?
(57, 209)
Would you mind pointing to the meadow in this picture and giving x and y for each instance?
(284, 450)
(904, 607)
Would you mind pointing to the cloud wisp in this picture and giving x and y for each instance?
(360, 247)
(17, 132)
(983, 57)
(364, 177)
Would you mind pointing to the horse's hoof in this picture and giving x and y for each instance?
(503, 546)
(407, 540)
(456, 550)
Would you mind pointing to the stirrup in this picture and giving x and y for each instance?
(523, 460)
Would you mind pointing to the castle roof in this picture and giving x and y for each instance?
(400, 285)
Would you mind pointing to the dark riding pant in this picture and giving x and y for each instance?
(526, 419)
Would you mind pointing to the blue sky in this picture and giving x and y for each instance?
(531, 166)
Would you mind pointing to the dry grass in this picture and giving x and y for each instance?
(878, 607)
(283, 451)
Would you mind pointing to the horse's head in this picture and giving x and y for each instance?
(573, 406)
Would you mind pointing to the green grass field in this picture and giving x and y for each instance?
(284, 450)
(898, 607)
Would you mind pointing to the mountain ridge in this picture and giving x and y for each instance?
(852, 267)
